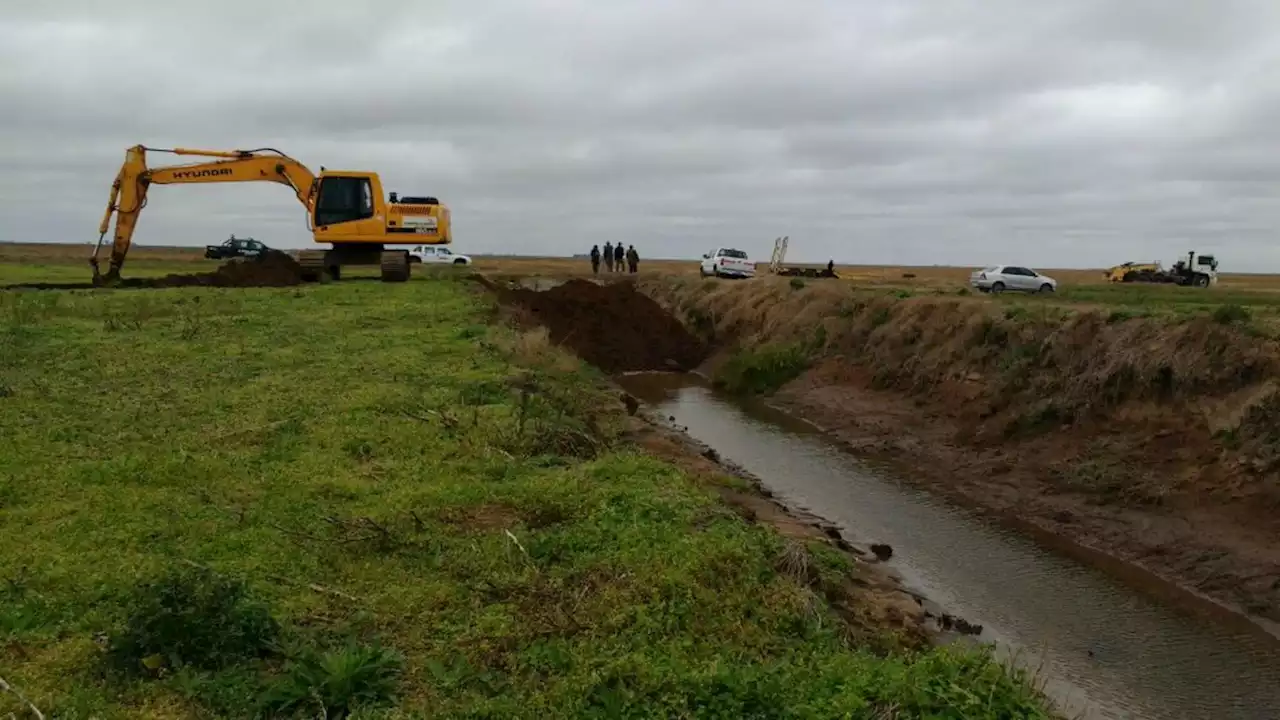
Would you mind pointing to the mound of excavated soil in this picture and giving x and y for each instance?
(611, 326)
(274, 269)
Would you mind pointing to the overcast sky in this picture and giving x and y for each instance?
(1051, 134)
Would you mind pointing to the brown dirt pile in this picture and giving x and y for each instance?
(611, 326)
(1151, 438)
(274, 269)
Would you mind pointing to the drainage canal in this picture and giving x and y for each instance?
(1103, 648)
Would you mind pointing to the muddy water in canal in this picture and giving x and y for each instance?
(1105, 646)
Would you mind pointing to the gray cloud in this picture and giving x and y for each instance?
(936, 131)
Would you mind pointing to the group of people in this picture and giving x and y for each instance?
(614, 257)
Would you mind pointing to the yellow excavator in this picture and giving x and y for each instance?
(345, 209)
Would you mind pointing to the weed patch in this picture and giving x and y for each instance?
(334, 683)
(762, 370)
(1231, 314)
(191, 617)
(881, 316)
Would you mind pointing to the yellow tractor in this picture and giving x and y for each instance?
(1133, 272)
(344, 208)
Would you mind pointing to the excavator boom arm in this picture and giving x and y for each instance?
(129, 191)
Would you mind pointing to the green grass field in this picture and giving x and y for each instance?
(375, 499)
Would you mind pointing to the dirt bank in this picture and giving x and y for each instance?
(611, 326)
(274, 269)
(1152, 439)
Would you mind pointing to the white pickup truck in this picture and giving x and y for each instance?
(727, 262)
(437, 254)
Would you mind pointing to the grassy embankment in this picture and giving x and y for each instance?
(1219, 340)
(219, 502)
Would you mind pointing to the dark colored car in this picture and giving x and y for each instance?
(235, 247)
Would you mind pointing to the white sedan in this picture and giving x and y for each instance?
(437, 254)
(998, 278)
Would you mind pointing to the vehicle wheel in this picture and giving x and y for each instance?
(459, 261)
(335, 272)
(1202, 281)
(1046, 288)
(997, 288)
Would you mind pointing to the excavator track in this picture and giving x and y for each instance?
(326, 265)
(395, 266)
(313, 264)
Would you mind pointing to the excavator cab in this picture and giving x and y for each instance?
(349, 211)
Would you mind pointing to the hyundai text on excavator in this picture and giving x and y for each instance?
(345, 209)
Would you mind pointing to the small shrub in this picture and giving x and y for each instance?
(1231, 315)
(1119, 316)
(880, 317)
(990, 332)
(114, 322)
(763, 370)
(335, 682)
(1040, 418)
(820, 337)
(1229, 437)
(903, 294)
(358, 449)
(191, 327)
(797, 283)
(552, 418)
(191, 617)
(963, 292)
(560, 436)
(483, 392)
(701, 321)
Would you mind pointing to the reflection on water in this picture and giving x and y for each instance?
(1105, 650)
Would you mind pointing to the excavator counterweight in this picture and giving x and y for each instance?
(345, 209)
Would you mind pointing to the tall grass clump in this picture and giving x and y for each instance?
(191, 617)
(763, 369)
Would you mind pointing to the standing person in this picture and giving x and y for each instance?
(633, 258)
(595, 259)
(618, 255)
(608, 257)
